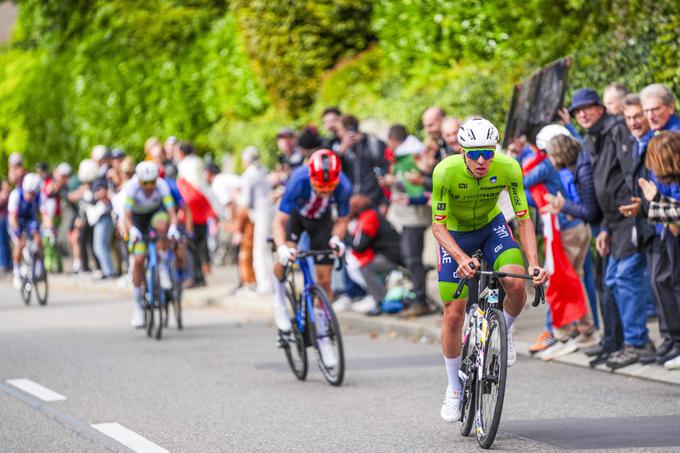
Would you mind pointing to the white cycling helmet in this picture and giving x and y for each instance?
(88, 170)
(478, 133)
(63, 169)
(99, 152)
(548, 132)
(31, 183)
(147, 171)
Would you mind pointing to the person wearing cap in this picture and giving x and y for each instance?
(607, 141)
(331, 122)
(291, 157)
(575, 237)
(101, 155)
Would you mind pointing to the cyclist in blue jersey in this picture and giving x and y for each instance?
(24, 207)
(306, 205)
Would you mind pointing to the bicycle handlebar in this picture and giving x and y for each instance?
(539, 293)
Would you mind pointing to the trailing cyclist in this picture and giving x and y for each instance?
(466, 218)
(306, 207)
(25, 205)
(148, 204)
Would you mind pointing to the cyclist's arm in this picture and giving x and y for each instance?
(279, 228)
(13, 210)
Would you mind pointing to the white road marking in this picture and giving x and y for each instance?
(36, 390)
(130, 439)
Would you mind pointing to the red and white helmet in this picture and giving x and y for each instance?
(324, 169)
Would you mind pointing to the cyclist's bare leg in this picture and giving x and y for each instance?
(138, 271)
(515, 293)
(18, 247)
(38, 242)
(323, 278)
(452, 327)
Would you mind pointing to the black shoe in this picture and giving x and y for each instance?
(673, 353)
(665, 347)
(626, 356)
(600, 359)
(594, 350)
(646, 354)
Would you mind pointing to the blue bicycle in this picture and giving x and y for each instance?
(313, 324)
(157, 298)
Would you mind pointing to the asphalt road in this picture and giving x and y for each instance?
(221, 385)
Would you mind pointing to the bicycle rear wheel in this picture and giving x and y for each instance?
(149, 301)
(325, 334)
(160, 303)
(468, 374)
(293, 343)
(26, 289)
(491, 387)
(40, 280)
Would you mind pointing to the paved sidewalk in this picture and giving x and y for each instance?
(427, 328)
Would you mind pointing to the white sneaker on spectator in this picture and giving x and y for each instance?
(673, 364)
(327, 353)
(450, 411)
(364, 305)
(246, 290)
(282, 318)
(512, 352)
(137, 320)
(342, 303)
(164, 277)
(16, 281)
(560, 349)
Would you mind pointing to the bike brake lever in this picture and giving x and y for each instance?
(539, 295)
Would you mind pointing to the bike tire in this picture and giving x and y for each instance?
(148, 306)
(494, 368)
(177, 302)
(159, 304)
(294, 344)
(40, 280)
(26, 286)
(468, 367)
(333, 375)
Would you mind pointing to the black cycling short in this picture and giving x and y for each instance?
(319, 230)
(144, 221)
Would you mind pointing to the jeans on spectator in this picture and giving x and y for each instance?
(412, 244)
(666, 273)
(624, 277)
(589, 283)
(374, 275)
(200, 254)
(101, 243)
(5, 249)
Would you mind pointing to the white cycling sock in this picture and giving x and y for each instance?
(452, 366)
(509, 319)
(320, 318)
(280, 290)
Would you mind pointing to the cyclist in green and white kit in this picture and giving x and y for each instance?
(466, 218)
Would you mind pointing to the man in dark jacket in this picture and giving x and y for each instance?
(607, 142)
(363, 161)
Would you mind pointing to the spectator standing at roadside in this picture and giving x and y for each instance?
(331, 122)
(16, 170)
(363, 161)
(5, 249)
(612, 98)
(409, 210)
(291, 157)
(309, 141)
(449, 131)
(256, 201)
(432, 123)
(99, 217)
(83, 198)
(663, 160)
(607, 143)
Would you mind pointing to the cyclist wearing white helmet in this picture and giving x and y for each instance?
(466, 218)
(25, 205)
(148, 204)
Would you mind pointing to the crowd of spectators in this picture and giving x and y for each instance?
(615, 185)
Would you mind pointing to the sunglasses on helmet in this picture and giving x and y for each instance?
(475, 153)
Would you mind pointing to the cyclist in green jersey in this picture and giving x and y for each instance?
(466, 218)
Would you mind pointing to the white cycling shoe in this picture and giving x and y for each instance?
(282, 318)
(451, 406)
(512, 352)
(327, 353)
(137, 320)
(16, 282)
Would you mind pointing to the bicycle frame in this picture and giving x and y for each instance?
(308, 306)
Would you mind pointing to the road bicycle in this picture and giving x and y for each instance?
(174, 294)
(33, 273)
(312, 320)
(484, 363)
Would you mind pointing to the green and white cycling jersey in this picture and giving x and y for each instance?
(464, 203)
(137, 201)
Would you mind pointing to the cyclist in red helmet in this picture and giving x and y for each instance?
(306, 205)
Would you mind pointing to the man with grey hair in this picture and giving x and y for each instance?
(449, 131)
(658, 106)
(612, 98)
(255, 198)
(432, 123)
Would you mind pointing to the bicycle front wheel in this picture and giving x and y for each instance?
(293, 343)
(40, 280)
(327, 338)
(491, 385)
(468, 375)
